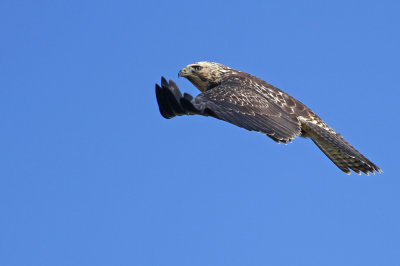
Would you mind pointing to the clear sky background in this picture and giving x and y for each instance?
(91, 174)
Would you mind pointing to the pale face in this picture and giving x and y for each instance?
(203, 74)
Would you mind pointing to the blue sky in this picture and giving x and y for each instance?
(91, 174)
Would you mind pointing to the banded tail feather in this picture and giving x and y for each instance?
(251, 103)
(339, 151)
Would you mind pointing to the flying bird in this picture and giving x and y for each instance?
(251, 103)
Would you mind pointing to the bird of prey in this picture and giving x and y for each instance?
(251, 103)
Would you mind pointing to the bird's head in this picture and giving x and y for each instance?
(204, 75)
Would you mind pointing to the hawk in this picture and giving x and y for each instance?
(251, 103)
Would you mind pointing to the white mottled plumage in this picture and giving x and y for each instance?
(251, 103)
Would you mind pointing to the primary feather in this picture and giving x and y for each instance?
(251, 103)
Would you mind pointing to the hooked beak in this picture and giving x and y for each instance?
(184, 72)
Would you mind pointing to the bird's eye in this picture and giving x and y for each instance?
(196, 67)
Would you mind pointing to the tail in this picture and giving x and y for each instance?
(339, 150)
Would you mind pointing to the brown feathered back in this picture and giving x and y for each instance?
(251, 103)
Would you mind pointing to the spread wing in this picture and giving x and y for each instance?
(234, 103)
